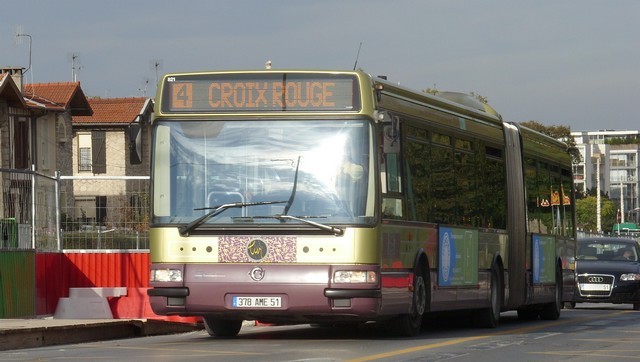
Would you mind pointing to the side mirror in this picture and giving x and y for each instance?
(135, 144)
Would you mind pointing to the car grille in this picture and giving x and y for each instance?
(595, 285)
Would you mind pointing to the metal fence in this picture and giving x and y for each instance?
(22, 219)
(73, 212)
(104, 212)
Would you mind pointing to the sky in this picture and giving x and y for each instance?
(570, 62)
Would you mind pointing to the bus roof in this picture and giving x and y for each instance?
(459, 103)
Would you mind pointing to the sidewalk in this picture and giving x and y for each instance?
(40, 332)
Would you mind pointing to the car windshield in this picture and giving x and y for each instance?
(607, 250)
(312, 170)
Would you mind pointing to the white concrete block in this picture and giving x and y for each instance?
(97, 292)
(83, 308)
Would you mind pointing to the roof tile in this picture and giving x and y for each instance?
(57, 96)
(113, 111)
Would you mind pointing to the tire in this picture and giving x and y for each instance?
(636, 306)
(409, 325)
(490, 317)
(528, 314)
(551, 311)
(222, 328)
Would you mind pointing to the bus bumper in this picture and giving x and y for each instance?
(302, 293)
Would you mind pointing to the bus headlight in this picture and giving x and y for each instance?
(166, 275)
(630, 277)
(355, 276)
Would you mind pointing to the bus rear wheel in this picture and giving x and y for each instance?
(222, 328)
(551, 311)
(490, 317)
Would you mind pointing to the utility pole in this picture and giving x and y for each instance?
(621, 202)
(598, 210)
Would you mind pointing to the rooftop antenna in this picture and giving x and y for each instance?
(18, 39)
(156, 65)
(357, 56)
(144, 89)
(267, 64)
(75, 66)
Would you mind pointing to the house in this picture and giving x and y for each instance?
(54, 105)
(111, 144)
(15, 120)
(35, 143)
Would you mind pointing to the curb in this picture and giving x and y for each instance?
(89, 332)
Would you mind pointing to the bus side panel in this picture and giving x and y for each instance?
(401, 241)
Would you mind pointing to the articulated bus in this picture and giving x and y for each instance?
(336, 197)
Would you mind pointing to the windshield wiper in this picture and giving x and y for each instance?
(185, 230)
(293, 190)
(332, 229)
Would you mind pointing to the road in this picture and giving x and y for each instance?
(591, 332)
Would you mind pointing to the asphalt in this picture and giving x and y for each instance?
(49, 331)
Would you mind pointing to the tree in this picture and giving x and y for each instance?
(586, 216)
(480, 97)
(562, 133)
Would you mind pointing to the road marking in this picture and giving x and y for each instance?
(547, 335)
(595, 353)
(178, 349)
(455, 341)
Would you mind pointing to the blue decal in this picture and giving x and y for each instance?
(447, 256)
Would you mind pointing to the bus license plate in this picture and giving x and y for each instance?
(256, 302)
(595, 287)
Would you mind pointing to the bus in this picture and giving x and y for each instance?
(626, 229)
(341, 198)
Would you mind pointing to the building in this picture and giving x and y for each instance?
(112, 143)
(611, 157)
(37, 122)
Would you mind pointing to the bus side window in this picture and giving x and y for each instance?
(391, 208)
(393, 177)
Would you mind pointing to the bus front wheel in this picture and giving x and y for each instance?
(222, 328)
(409, 325)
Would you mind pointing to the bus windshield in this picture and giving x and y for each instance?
(257, 170)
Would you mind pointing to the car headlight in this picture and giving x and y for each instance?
(630, 277)
(355, 276)
(166, 275)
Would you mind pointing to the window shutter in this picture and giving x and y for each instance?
(99, 152)
(21, 142)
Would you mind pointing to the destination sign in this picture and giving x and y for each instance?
(260, 92)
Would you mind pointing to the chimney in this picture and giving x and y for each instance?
(15, 73)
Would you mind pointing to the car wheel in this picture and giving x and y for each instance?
(528, 314)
